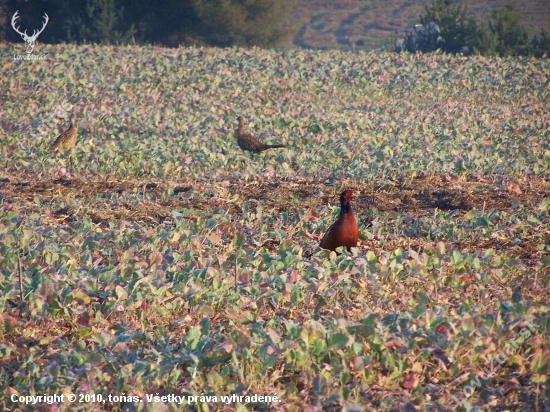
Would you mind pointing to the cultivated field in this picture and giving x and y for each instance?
(165, 261)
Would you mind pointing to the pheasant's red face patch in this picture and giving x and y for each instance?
(347, 195)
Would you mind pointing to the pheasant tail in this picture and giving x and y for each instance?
(272, 146)
(55, 146)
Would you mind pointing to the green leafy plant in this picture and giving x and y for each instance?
(166, 261)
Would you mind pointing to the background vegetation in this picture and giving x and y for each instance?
(457, 31)
(358, 24)
(499, 27)
(173, 22)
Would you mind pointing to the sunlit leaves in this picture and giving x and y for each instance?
(235, 295)
(409, 113)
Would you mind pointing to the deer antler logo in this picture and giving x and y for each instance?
(30, 40)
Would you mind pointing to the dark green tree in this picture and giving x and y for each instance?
(104, 18)
(170, 22)
(541, 45)
(458, 30)
(504, 36)
(64, 16)
(98, 21)
(446, 26)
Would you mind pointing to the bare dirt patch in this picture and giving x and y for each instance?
(151, 202)
(412, 195)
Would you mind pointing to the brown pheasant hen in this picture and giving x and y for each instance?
(67, 139)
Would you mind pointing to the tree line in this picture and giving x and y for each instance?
(169, 23)
(447, 25)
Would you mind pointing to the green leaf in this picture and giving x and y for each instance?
(540, 364)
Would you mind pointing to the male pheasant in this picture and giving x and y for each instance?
(248, 142)
(344, 231)
(67, 139)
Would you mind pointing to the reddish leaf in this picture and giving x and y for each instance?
(243, 338)
(511, 383)
(330, 292)
(286, 295)
(9, 320)
(154, 258)
(51, 407)
(515, 189)
(393, 344)
(215, 238)
(410, 381)
(120, 347)
(441, 329)
(84, 319)
(294, 276)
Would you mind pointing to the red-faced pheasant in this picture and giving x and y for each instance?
(344, 231)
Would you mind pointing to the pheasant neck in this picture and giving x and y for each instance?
(345, 207)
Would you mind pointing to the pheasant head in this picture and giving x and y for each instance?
(345, 201)
(241, 122)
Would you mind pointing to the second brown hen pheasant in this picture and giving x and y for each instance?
(248, 142)
(67, 139)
